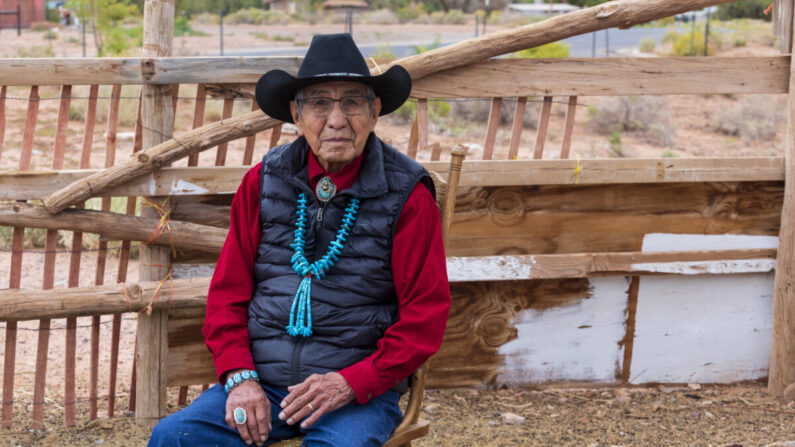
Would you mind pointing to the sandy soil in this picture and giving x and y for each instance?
(652, 416)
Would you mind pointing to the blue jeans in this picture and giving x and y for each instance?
(202, 423)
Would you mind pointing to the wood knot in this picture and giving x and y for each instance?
(16, 208)
(157, 162)
(135, 291)
(143, 158)
(606, 11)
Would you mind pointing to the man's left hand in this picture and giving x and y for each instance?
(319, 394)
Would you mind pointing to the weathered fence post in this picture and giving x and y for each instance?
(782, 352)
(782, 24)
(157, 123)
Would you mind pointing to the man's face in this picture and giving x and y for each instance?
(336, 138)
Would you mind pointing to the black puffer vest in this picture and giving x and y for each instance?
(355, 302)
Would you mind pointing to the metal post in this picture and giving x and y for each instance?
(349, 21)
(84, 37)
(19, 20)
(607, 42)
(221, 24)
(477, 24)
(593, 44)
(693, 37)
(485, 16)
(706, 36)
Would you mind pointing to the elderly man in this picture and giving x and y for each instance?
(331, 288)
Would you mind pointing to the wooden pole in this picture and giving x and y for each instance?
(115, 226)
(620, 13)
(157, 114)
(782, 352)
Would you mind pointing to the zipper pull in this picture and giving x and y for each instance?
(320, 213)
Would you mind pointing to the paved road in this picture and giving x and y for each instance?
(619, 41)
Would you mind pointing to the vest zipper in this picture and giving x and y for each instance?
(296, 360)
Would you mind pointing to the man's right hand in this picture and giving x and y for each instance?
(250, 397)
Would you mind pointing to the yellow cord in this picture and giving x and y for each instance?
(376, 65)
(577, 171)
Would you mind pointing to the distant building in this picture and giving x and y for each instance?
(542, 9)
(285, 6)
(31, 11)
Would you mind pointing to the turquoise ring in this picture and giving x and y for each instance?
(240, 416)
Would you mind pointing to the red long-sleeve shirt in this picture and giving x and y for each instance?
(418, 270)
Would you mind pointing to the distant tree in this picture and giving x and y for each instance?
(105, 18)
(753, 9)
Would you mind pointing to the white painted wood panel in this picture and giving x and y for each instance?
(578, 342)
(712, 328)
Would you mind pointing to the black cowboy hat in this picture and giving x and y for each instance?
(331, 57)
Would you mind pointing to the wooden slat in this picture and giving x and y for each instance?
(248, 153)
(607, 77)
(99, 276)
(225, 180)
(491, 128)
(220, 155)
(543, 126)
(584, 265)
(782, 21)
(276, 133)
(628, 343)
(124, 71)
(422, 124)
(30, 128)
(42, 346)
(414, 138)
(516, 130)
(569, 130)
(88, 134)
(436, 151)
(25, 304)
(15, 275)
(198, 117)
(492, 78)
(3, 91)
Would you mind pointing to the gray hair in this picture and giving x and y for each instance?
(370, 93)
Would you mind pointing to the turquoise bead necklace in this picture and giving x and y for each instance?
(301, 311)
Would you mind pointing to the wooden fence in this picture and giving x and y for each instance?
(553, 215)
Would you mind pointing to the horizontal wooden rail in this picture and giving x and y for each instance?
(182, 293)
(492, 78)
(583, 265)
(16, 185)
(114, 226)
(25, 304)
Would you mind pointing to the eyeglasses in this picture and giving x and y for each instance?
(321, 106)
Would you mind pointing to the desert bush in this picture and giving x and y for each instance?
(647, 45)
(120, 40)
(255, 16)
(692, 44)
(550, 50)
(206, 18)
(646, 116)
(77, 112)
(35, 51)
(381, 17)
(410, 12)
(753, 117)
(452, 17)
(754, 9)
(384, 51)
(477, 111)
(670, 36)
(182, 28)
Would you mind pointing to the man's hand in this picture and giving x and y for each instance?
(318, 395)
(250, 397)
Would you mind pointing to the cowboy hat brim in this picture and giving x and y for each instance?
(276, 88)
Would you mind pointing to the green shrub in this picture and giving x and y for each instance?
(452, 17)
(550, 50)
(669, 154)
(119, 40)
(255, 16)
(384, 51)
(692, 44)
(616, 147)
(670, 37)
(206, 18)
(35, 51)
(754, 9)
(738, 41)
(182, 28)
(647, 45)
(381, 17)
(410, 12)
(77, 112)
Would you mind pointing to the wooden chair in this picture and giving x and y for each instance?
(189, 363)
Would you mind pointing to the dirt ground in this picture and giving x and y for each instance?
(732, 415)
(693, 415)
